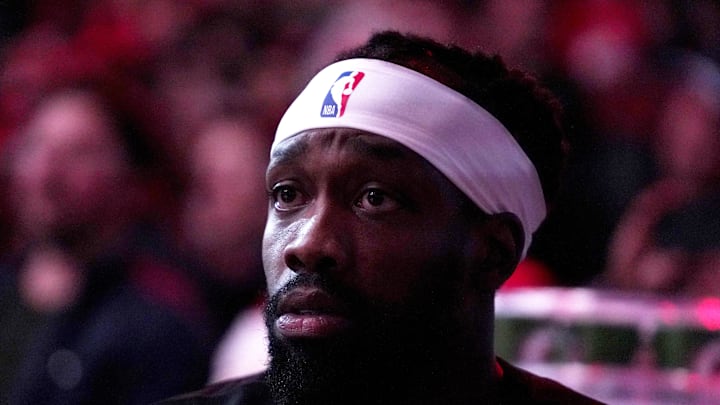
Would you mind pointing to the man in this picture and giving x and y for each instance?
(89, 293)
(397, 207)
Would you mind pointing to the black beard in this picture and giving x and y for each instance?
(387, 356)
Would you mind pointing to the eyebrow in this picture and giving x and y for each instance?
(289, 152)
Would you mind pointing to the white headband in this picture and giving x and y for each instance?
(457, 136)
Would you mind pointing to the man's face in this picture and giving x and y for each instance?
(224, 215)
(68, 167)
(365, 256)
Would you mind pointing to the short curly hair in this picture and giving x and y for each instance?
(528, 110)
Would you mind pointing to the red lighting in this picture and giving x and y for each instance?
(708, 313)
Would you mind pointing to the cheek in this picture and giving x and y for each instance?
(92, 180)
(274, 241)
(397, 270)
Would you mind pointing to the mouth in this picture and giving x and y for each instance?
(311, 313)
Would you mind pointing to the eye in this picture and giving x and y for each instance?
(286, 197)
(376, 200)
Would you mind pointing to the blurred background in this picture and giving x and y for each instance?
(133, 139)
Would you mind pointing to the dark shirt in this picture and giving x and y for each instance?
(517, 386)
(118, 344)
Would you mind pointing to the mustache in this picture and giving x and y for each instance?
(354, 302)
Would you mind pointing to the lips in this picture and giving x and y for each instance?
(306, 312)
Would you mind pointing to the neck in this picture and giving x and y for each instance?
(85, 243)
(462, 381)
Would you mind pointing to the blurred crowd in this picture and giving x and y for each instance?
(134, 134)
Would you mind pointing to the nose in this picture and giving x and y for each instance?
(37, 169)
(320, 242)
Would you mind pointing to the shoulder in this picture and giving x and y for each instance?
(250, 390)
(521, 386)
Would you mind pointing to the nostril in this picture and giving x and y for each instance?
(317, 265)
(325, 263)
(294, 263)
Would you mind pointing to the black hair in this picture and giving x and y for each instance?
(528, 110)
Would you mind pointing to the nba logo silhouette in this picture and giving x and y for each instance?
(339, 94)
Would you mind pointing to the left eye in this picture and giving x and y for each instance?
(375, 199)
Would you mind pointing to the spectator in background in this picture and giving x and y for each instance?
(599, 54)
(512, 28)
(349, 23)
(122, 323)
(222, 224)
(232, 58)
(668, 240)
(223, 82)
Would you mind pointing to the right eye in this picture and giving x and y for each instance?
(286, 197)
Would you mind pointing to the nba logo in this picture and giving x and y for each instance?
(338, 95)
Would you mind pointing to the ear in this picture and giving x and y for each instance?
(501, 240)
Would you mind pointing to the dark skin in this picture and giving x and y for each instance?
(378, 220)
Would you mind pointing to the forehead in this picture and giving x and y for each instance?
(66, 121)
